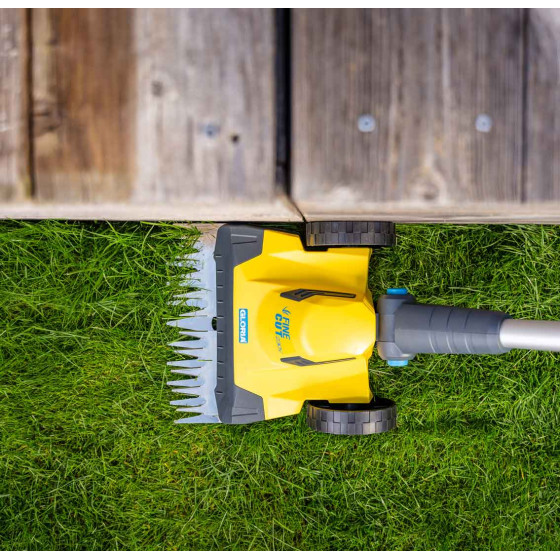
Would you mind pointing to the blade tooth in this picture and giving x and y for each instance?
(202, 259)
(193, 323)
(203, 409)
(201, 323)
(190, 344)
(191, 296)
(204, 251)
(188, 391)
(192, 372)
(195, 274)
(196, 302)
(208, 408)
(191, 282)
(198, 353)
(186, 383)
(199, 419)
(203, 267)
(198, 275)
(182, 299)
(184, 344)
(191, 255)
(207, 337)
(179, 363)
(198, 409)
(204, 404)
(204, 298)
(201, 313)
(185, 262)
(191, 365)
(203, 373)
(198, 401)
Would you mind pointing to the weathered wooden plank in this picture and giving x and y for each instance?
(471, 213)
(425, 76)
(83, 104)
(543, 105)
(14, 95)
(154, 105)
(205, 118)
(279, 209)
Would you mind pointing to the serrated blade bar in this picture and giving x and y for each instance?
(204, 277)
(202, 371)
(198, 419)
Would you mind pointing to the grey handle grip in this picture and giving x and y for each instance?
(437, 329)
(407, 328)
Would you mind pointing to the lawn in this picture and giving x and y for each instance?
(90, 457)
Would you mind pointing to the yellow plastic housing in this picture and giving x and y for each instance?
(318, 329)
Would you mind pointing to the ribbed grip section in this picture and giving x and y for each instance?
(438, 329)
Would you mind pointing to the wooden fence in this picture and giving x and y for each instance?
(261, 114)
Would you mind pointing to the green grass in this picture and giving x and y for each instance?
(90, 457)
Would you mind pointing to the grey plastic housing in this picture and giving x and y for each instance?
(406, 328)
(235, 244)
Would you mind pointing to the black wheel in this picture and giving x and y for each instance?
(350, 234)
(375, 417)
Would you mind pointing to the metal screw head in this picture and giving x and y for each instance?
(483, 123)
(211, 130)
(366, 123)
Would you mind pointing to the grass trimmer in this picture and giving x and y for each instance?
(281, 322)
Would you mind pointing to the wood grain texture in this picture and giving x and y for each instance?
(472, 213)
(425, 76)
(278, 210)
(205, 117)
(543, 106)
(14, 95)
(83, 104)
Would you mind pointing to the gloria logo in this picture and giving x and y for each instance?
(243, 326)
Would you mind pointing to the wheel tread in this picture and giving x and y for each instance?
(340, 234)
(341, 422)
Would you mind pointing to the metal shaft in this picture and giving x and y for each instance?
(530, 335)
